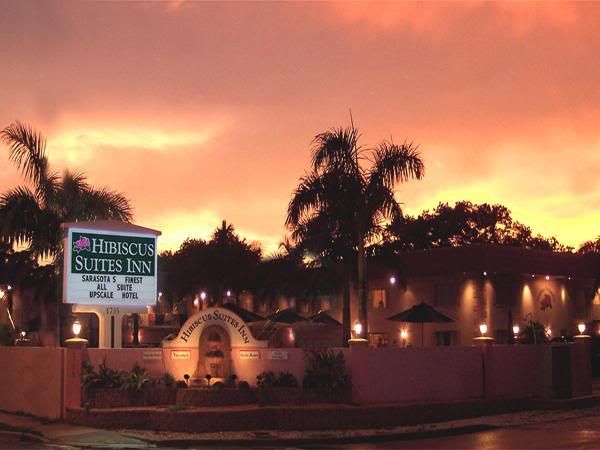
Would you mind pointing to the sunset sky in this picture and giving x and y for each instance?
(202, 112)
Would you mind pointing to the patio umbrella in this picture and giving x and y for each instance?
(323, 317)
(247, 316)
(421, 313)
(286, 316)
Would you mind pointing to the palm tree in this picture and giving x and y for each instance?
(31, 215)
(343, 204)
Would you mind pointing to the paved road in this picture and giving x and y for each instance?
(581, 432)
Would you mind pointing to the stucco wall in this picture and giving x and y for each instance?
(415, 374)
(516, 371)
(32, 380)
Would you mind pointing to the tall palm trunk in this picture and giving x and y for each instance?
(347, 280)
(362, 288)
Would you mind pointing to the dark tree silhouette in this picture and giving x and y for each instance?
(465, 223)
(343, 203)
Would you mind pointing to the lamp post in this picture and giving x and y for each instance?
(483, 339)
(357, 340)
(516, 331)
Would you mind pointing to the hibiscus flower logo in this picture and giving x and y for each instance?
(82, 244)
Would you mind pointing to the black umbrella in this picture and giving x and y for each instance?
(421, 313)
(247, 316)
(286, 316)
(323, 317)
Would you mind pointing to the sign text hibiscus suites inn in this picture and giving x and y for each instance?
(110, 268)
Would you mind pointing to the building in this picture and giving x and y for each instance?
(482, 284)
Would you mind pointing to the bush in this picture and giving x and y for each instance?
(265, 380)
(181, 384)
(243, 385)
(287, 380)
(533, 333)
(327, 374)
(136, 379)
(167, 380)
(104, 378)
(218, 386)
(5, 336)
(230, 382)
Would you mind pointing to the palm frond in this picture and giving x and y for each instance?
(307, 196)
(27, 149)
(396, 164)
(336, 148)
(105, 204)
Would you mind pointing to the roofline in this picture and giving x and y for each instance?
(109, 225)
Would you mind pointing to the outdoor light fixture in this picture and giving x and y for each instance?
(403, 334)
(548, 331)
(203, 295)
(485, 274)
(532, 276)
(357, 328)
(581, 328)
(483, 329)
(159, 294)
(76, 328)
(196, 302)
(392, 280)
(516, 330)
(228, 293)
(9, 287)
(547, 277)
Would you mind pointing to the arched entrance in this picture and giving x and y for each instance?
(214, 356)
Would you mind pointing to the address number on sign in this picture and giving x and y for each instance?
(112, 311)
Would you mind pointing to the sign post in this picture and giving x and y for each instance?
(110, 269)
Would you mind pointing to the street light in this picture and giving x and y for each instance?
(581, 328)
(483, 329)
(358, 328)
(76, 328)
(516, 330)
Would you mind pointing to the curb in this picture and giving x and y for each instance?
(375, 437)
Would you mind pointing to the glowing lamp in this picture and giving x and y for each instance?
(485, 274)
(548, 331)
(403, 334)
(483, 329)
(392, 280)
(547, 277)
(228, 293)
(160, 294)
(9, 287)
(516, 330)
(358, 328)
(581, 328)
(76, 328)
(196, 302)
(203, 295)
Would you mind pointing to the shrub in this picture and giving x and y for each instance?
(181, 384)
(243, 385)
(5, 336)
(533, 333)
(167, 380)
(230, 382)
(286, 379)
(265, 380)
(218, 386)
(327, 373)
(136, 379)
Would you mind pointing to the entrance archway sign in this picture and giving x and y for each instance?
(110, 269)
(190, 332)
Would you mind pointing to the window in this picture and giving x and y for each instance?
(379, 340)
(445, 338)
(378, 299)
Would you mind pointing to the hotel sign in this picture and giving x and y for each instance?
(109, 268)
